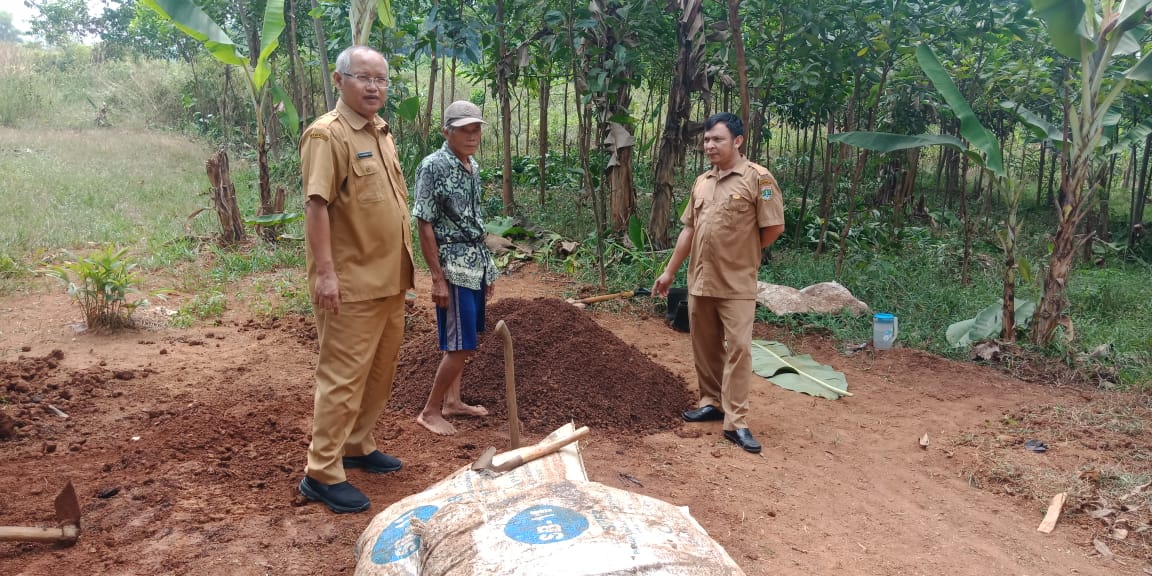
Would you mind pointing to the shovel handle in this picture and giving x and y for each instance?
(533, 452)
(605, 297)
(510, 385)
(28, 534)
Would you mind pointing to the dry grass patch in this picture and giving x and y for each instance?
(1099, 453)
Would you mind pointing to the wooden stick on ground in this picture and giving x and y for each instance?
(1053, 514)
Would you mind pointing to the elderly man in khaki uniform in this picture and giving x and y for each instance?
(736, 211)
(359, 253)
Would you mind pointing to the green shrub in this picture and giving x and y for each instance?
(11, 268)
(23, 98)
(211, 304)
(100, 285)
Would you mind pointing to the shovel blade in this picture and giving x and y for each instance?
(484, 462)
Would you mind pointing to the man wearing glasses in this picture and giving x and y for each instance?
(359, 254)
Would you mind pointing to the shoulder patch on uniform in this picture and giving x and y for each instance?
(318, 135)
(766, 187)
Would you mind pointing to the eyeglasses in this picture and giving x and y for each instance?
(368, 80)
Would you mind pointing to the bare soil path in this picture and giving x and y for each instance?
(186, 446)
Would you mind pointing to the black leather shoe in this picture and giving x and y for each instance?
(705, 414)
(376, 463)
(743, 438)
(340, 497)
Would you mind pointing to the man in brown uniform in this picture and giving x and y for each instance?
(359, 254)
(736, 210)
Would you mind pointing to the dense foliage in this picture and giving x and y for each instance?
(1072, 141)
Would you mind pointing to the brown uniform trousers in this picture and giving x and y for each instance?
(351, 162)
(727, 212)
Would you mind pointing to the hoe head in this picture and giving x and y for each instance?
(68, 506)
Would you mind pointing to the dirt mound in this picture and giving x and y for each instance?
(302, 328)
(567, 368)
(38, 394)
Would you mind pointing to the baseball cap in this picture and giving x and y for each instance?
(462, 113)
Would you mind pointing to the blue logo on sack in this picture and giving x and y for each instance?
(397, 542)
(546, 525)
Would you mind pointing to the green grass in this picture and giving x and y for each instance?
(206, 305)
(73, 189)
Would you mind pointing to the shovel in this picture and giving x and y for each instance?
(525, 455)
(605, 297)
(68, 515)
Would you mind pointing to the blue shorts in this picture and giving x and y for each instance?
(459, 323)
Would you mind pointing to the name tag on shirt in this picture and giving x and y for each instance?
(364, 154)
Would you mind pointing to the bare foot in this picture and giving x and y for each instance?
(436, 423)
(464, 410)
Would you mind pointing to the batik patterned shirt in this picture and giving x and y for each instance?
(448, 196)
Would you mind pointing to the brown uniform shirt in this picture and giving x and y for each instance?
(728, 210)
(351, 162)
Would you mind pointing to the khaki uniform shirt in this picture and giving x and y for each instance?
(351, 162)
(728, 210)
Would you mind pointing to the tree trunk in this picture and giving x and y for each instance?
(224, 199)
(542, 134)
(1011, 232)
(808, 176)
(251, 34)
(503, 75)
(861, 160)
(564, 127)
(322, 52)
(849, 121)
(1070, 210)
(1040, 171)
(297, 69)
(677, 130)
(1050, 312)
(827, 194)
(267, 204)
(1136, 212)
(623, 191)
(426, 122)
(741, 64)
(966, 261)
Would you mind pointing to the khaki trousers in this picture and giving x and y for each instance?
(358, 352)
(721, 331)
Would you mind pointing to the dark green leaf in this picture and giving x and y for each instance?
(190, 19)
(970, 127)
(384, 13)
(1065, 22)
(1132, 13)
(1041, 128)
(636, 231)
(269, 40)
(1142, 71)
(409, 108)
(289, 117)
(885, 142)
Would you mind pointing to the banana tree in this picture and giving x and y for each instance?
(981, 148)
(193, 21)
(362, 13)
(1101, 35)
